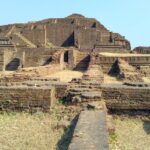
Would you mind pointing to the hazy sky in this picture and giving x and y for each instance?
(130, 18)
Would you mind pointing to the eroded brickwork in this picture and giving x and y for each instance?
(106, 61)
(85, 33)
(23, 97)
(39, 49)
(126, 97)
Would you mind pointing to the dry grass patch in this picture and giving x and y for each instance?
(131, 134)
(40, 131)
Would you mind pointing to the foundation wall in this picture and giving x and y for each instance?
(32, 57)
(1, 60)
(107, 62)
(122, 97)
(26, 97)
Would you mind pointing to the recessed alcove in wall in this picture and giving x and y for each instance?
(66, 57)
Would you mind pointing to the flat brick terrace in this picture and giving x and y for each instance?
(90, 132)
(60, 87)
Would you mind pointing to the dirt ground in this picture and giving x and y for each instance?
(146, 79)
(66, 75)
(109, 80)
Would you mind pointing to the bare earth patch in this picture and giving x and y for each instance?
(146, 79)
(67, 75)
(109, 80)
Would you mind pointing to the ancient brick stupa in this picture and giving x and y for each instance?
(79, 62)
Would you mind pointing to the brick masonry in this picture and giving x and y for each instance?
(82, 32)
(126, 97)
(23, 97)
(107, 61)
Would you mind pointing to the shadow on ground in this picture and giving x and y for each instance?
(146, 126)
(64, 142)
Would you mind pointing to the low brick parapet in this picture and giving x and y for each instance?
(126, 97)
(20, 97)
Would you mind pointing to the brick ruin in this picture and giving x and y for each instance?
(142, 50)
(31, 52)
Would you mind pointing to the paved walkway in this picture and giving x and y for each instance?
(90, 132)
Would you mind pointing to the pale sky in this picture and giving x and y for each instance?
(130, 18)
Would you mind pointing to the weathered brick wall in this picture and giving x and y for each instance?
(142, 50)
(14, 97)
(71, 60)
(6, 54)
(31, 81)
(63, 32)
(9, 55)
(78, 59)
(35, 34)
(27, 73)
(107, 61)
(60, 34)
(33, 57)
(1, 60)
(110, 48)
(133, 60)
(125, 97)
(37, 57)
(87, 38)
(145, 71)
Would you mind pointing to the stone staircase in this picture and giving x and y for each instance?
(10, 31)
(91, 131)
(14, 31)
(29, 43)
(88, 88)
(84, 92)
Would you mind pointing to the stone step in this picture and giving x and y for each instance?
(87, 85)
(82, 62)
(82, 96)
(91, 95)
(86, 59)
(79, 89)
(25, 39)
(90, 132)
(80, 69)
